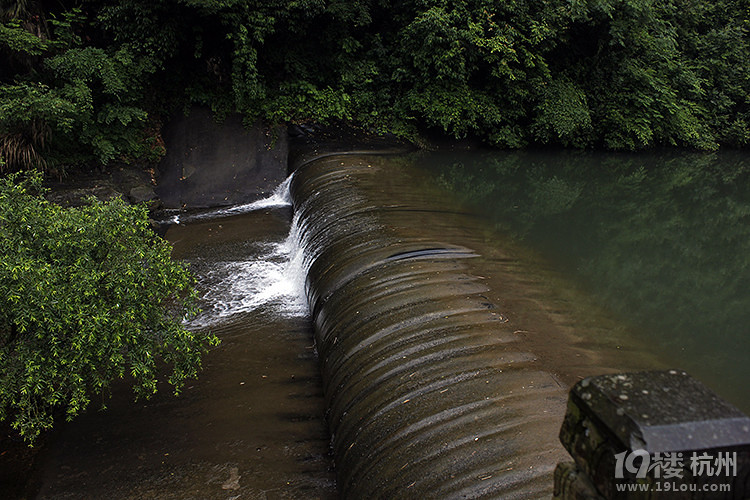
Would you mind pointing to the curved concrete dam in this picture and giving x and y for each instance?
(446, 351)
(431, 391)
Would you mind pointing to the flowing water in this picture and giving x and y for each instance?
(595, 264)
(446, 350)
(252, 426)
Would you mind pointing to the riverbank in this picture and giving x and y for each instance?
(133, 183)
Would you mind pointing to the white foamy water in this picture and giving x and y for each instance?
(272, 279)
(268, 282)
(279, 198)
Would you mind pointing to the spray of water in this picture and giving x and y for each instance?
(279, 198)
(272, 279)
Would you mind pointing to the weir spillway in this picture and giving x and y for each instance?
(430, 391)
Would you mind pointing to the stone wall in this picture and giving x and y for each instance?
(210, 163)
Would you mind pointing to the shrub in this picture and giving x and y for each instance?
(87, 295)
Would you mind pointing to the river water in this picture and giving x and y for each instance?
(600, 263)
(660, 240)
(252, 426)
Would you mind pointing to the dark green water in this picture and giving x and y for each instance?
(662, 240)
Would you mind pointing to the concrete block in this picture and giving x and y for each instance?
(664, 431)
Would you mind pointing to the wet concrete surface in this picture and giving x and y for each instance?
(446, 352)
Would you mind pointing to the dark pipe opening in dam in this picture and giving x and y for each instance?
(442, 355)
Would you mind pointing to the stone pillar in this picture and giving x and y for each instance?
(652, 435)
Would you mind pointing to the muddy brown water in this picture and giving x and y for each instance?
(253, 425)
(250, 427)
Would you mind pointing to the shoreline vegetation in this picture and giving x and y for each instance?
(92, 83)
(88, 295)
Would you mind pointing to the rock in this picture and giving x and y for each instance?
(77, 195)
(233, 483)
(142, 194)
(572, 484)
(132, 183)
(651, 428)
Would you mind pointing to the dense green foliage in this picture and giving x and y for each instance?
(91, 79)
(87, 295)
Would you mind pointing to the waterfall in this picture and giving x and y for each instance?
(429, 391)
(277, 199)
(297, 264)
(270, 278)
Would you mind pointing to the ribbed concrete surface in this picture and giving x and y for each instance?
(430, 394)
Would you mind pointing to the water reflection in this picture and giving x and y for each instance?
(662, 239)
